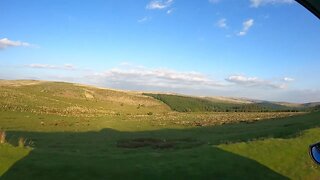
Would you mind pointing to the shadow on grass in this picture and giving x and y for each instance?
(97, 155)
(208, 163)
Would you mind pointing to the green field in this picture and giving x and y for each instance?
(81, 132)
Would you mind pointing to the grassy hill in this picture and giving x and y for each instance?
(73, 99)
(67, 98)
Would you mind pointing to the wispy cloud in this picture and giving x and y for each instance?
(6, 43)
(222, 23)
(246, 25)
(258, 3)
(144, 19)
(48, 66)
(159, 4)
(170, 11)
(257, 82)
(127, 76)
(139, 76)
(288, 79)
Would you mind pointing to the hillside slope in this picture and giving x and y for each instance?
(67, 98)
(75, 99)
(197, 104)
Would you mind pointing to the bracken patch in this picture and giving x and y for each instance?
(155, 143)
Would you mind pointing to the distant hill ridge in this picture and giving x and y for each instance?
(64, 98)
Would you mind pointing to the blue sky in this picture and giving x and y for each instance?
(262, 49)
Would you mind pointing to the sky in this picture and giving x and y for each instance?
(258, 49)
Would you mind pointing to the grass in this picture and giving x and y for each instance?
(9, 155)
(135, 144)
(288, 157)
(70, 99)
(193, 152)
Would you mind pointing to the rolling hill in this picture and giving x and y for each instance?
(68, 98)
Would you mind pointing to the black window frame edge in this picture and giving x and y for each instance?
(310, 7)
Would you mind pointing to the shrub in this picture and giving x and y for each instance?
(21, 142)
(2, 137)
(150, 113)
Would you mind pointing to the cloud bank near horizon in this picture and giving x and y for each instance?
(140, 78)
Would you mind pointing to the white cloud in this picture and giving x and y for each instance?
(246, 25)
(144, 19)
(159, 4)
(255, 82)
(5, 43)
(258, 3)
(48, 66)
(222, 23)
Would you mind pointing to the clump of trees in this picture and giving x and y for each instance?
(194, 104)
(21, 142)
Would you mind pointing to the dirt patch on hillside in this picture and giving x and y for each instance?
(154, 143)
(88, 95)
